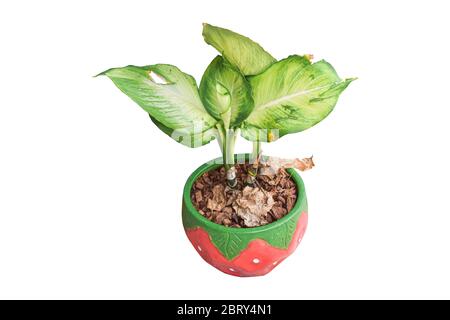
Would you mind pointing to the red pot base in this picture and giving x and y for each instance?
(259, 258)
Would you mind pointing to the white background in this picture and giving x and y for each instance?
(90, 189)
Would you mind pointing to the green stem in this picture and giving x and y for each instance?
(227, 141)
(221, 139)
(231, 142)
(253, 169)
(256, 150)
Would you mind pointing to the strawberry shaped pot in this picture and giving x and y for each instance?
(244, 252)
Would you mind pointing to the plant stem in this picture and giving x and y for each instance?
(254, 161)
(256, 151)
(221, 139)
(228, 141)
(231, 142)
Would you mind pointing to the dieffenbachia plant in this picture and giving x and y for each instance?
(244, 89)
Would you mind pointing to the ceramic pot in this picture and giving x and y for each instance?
(244, 252)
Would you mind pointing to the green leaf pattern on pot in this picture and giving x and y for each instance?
(243, 53)
(282, 236)
(293, 95)
(228, 243)
(231, 244)
(170, 97)
(225, 93)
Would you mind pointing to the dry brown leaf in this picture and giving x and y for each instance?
(271, 165)
(217, 202)
(253, 205)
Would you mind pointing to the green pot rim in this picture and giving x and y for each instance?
(301, 197)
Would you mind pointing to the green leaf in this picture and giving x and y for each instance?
(170, 97)
(282, 237)
(228, 243)
(225, 93)
(188, 139)
(291, 96)
(246, 55)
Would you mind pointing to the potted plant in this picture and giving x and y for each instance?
(243, 214)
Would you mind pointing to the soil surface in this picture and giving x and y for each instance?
(268, 199)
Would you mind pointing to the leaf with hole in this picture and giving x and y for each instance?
(170, 97)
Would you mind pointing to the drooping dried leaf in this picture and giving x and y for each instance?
(272, 165)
